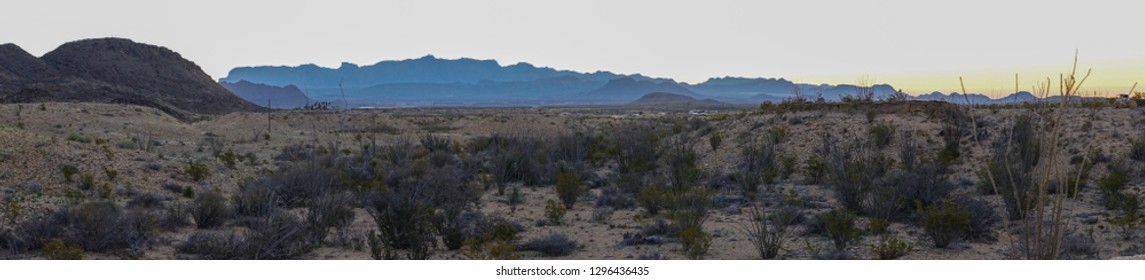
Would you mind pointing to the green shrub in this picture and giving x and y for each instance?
(815, 170)
(1111, 186)
(87, 181)
(554, 213)
(229, 159)
(69, 170)
(56, 249)
(841, 229)
(569, 186)
(951, 143)
(197, 170)
(494, 245)
(80, 138)
(889, 248)
(694, 241)
(946, 223)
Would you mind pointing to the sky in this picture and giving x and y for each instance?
(917, 46)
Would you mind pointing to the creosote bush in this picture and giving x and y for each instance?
(946, 223)
(840, 228)
(555, 213)
(569, 186)
(889, 248)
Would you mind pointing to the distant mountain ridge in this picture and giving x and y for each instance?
(114, 70)
(430, 80)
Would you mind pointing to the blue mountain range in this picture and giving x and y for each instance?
(434, 81)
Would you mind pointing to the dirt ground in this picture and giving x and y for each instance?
(149, 149)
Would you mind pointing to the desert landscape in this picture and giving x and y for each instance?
(577, 135)
(106, 181)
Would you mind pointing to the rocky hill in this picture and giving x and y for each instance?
(113, 70)
(664, 98)
(287, 97)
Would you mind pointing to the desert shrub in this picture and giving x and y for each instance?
(815, 170)
(601, 215)
(189, 192)
(569, 186)
(404, 219)
(635, 148)
(197, 170)
(694, 241)
(295, 185)
(69, 170)
(552, 245)
(229, 158)
(768, 232)
(1128, 218)
(889, 248)
(946, 223)
(882, 134)
(761, 160)
(840, 228)
(210, 210)
(80, 138)
(328, 211)
(982, 219)
(1080, 246)
(748, 184)
(87, 181)
(281, 235)
(176, 215)
(715, 139)
(493, 244)
(1111, 186)
(689, 211)
(515, 198)
(96, 226)
(853, 173)
(612, 197)
(652, 199)
(1009, 171)
(554, 213)
(951, 142)
(877, 226)
(253, 200)
(680, 168)
(435, 143)
(572, 148)
(215, 245)
(56, 249)
(110, 173)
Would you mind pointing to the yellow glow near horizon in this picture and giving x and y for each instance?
(1108, 78)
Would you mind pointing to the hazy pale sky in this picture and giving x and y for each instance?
(918, 46)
